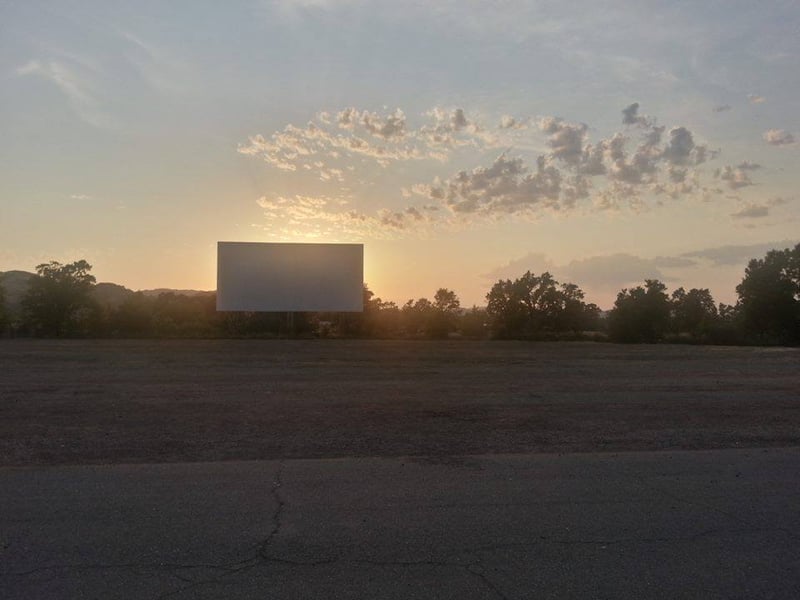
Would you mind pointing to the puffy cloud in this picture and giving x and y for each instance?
(620, 171)
(507, 186)
(347, 118)
(735, 177)
(457, 120)
(390, 126)
(297, 146)
(509, 122)
(609, 172)
(778, 137)
(680, 147)
(631, 116)
(452, 129)
(566, 140)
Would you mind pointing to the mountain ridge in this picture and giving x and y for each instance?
(15, 284)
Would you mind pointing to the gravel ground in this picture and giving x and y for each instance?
(100, 401)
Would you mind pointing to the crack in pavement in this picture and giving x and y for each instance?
(260, 556)
(194, 576)
(280, 504)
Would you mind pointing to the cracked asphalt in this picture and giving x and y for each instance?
(700, 524)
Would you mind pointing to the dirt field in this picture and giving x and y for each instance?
(70, 402)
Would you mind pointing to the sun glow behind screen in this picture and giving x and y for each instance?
(290, 277)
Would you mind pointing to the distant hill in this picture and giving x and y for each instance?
(15, 285)
(111, 294)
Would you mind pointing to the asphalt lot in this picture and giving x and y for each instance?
(702, 524)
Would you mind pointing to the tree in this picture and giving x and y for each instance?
(133, 317)
(641, 314)
(58, 300)
(693, 312)
(533, 305)
(444, 317)
(769, 296)
(415, 316)
(474, 323)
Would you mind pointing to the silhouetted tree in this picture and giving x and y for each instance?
(181, 315)
(58, 300)
(769, 296)
(415, 316)
(641, 314)
(693, 312)
(506, 310)
(384, 319)
(575, 315)
(133, 317)
(474, 323)
(533, 305)
(443, 318)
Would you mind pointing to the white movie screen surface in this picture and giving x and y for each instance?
(290, 277)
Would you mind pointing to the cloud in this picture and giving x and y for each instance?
(680, 148)
(609, 171)
(631, 170)
(753, 210)
(507, 186)
(631, 116)
(77, 89)
(384, 138)
(735, 177)
(778, 137)
(734, 255)
(391, 126)
(606, 272)
(755, 99)
(566, 140)
(509, 122)
(721, 108)
(452, 128)
(612, 271)
(318, 216)
(535, 262)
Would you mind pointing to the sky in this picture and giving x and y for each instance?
(461, 142)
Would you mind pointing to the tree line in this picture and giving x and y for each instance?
(61, 301)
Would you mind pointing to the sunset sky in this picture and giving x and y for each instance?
(460, 142)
